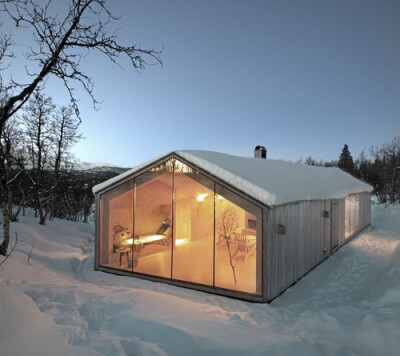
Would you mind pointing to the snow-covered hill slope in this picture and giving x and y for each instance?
(86, 166)
(57, 304)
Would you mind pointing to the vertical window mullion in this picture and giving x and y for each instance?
(173, 218)
(133, 223)
(215, 196)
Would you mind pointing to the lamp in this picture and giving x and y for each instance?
(201, 197)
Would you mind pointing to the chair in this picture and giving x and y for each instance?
(250, 236)
(241, 246)
(119, 242)
(121, 252)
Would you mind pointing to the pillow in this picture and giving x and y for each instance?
(163, 228)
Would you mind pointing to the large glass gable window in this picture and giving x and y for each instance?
(175, 223)
(153, 221)
(193, 226)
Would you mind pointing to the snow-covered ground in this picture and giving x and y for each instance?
(57, 304)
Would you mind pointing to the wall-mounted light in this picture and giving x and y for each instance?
(180, 242)
(281, 229)
(201, 197)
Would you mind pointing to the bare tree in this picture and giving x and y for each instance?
(65, 134)
(50, 133)
(313, 162)
(386, 171)
(60, 43)
(39, 136)
(227, 223)
(10, 154)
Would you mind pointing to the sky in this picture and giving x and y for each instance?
(302, 78)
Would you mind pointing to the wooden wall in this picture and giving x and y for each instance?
(305, 243)
(337, 222)
(306, 239)
(365, 210)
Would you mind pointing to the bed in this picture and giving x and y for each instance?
(123, 245)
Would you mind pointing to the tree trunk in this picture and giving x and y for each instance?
(13, 216)
(6, 227)
(23, 198)
(393, 183)
(42, 216)
(230, 258)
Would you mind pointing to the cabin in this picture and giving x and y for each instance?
(243, 227)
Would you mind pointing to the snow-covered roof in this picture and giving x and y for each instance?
(272, 182)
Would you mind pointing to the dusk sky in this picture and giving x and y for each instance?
(299, 77)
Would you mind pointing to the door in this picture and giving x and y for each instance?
(334, 224)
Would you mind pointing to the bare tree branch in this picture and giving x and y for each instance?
(62, 42)
(227, 223)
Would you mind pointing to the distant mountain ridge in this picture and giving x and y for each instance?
(99, 167)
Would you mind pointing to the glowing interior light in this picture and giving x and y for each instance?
(149, 239)
(180, 242)
(145, 239)
(201, 197)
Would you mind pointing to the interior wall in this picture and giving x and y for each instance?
(193, 227)
(201, 216)
(149, 219)
(153, 206)
(183, 215)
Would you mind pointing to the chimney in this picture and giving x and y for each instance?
(260, 152)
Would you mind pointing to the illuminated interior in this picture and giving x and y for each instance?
(351, 211)
(193, 227)
(116, 227)
(237, 243)
(175, 223)
(153, 221)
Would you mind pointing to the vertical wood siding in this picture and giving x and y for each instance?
(365, 210)
(97, 231)
(308, 239)
(305, 244)
(265, 249)
(340, 223)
